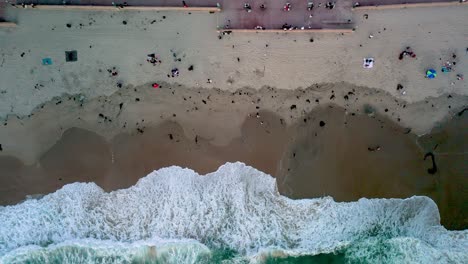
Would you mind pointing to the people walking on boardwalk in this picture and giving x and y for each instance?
(247, 7)
(330, 5)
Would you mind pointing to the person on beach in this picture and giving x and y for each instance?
(175, 72)
(184, 4)
(227, 26)
(151, 58)
(287, 7)
(407, 52)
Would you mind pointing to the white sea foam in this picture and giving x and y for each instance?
(236, 207)
(97, 251)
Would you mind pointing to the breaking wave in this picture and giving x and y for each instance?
(233, 215)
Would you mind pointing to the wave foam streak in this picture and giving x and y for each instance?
(236, 208)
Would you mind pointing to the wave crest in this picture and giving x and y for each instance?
(237, 208)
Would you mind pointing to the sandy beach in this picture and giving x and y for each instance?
(308, 141)
(298, 106)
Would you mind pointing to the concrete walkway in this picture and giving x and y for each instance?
(273, 16)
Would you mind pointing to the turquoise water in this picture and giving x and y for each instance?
(234, 215)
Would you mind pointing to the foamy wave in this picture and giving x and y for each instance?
(97, 251)
(238, 208)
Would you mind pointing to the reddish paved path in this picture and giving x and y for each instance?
(195, 3)
(393, 2)
(273, 17)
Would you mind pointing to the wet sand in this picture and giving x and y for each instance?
(360, 156)
(449, 145)
(353, 156)
(347, 157)
(83, 156)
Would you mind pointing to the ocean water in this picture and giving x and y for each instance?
(233, 215)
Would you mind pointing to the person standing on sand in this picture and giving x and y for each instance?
(184, 4)
(247, 7)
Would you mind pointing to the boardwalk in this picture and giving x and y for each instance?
(234, 16)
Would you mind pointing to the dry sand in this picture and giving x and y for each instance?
(70, 121)
(285, 61)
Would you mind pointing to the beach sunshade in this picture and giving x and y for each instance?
(46, 61)
(71, 55)
(431, 73)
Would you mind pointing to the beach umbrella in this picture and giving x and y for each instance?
(431, 73)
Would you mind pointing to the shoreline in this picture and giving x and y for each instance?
(97, 142)
(132, 109)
